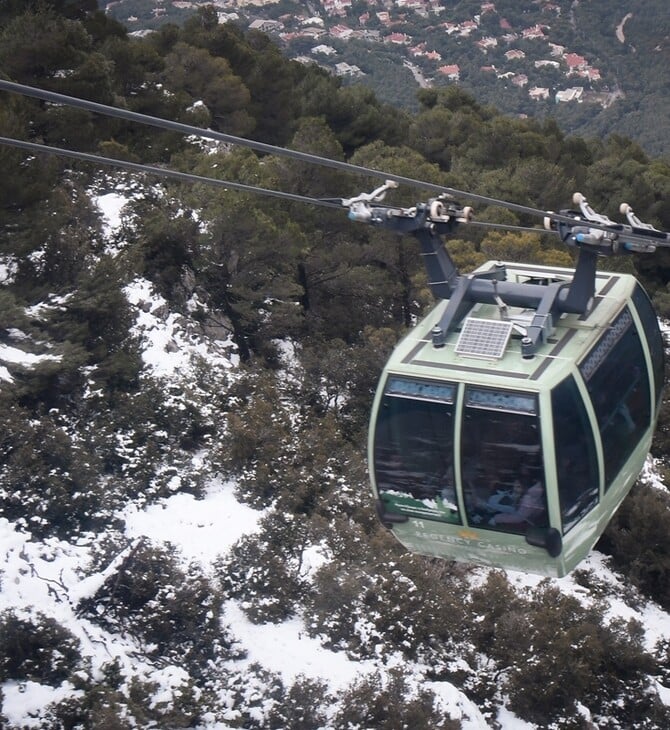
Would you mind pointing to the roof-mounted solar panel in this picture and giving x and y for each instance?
(485, 338)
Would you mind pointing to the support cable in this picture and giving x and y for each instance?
(164, 172)
(127, 115)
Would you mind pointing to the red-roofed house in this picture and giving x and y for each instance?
(575, 61)
(451, 71)
(399, 39)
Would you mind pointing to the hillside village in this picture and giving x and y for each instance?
(431, 43)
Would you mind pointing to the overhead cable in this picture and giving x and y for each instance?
(92, 106)
(163, 172)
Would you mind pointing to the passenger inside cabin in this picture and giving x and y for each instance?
(531, 507)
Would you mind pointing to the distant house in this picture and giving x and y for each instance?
(533, 32)
(538, 93)
(520, 80)
(514, 54)
(399, 39)
(324, 50)
(336, 7)
(573, 94)
(467, 27)
(266, 26)
(345, 69)
(575, 61)
(485, 43)
(451, 71)
(342, 32)
(311, 32)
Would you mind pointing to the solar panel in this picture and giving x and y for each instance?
(485, 338)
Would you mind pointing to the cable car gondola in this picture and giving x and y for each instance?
(511, 422)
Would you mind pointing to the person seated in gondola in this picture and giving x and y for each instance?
(530, 510)
(499, 498)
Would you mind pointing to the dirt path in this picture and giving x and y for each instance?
(619, 29)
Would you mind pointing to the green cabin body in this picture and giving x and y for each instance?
(481, 453)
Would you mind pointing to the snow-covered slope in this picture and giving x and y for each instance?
(53, 577)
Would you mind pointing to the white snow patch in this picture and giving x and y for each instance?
(169, 348)
(20, 357)
(111, 206)
(288, 650)
(25, 700)
(8, 269)
(202, 529)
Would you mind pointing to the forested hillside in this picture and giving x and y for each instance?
(287, 313)
(609, 56)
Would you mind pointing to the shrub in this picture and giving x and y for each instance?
(263, 570)
(36, 647)
(175, 611)
(561, 653)
(371, 703)
(48, 479)
(638, 540)
(302, 707)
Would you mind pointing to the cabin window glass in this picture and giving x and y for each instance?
(414, 449)
(501, 461)
(654, 338)
(615, 372)
(576, 460)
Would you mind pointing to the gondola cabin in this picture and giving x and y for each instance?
(485, 451)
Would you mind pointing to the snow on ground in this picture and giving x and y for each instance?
(171, 344)
(17, 356)
(201, 529)
(111, 206)
(8, 269)
(47, 576)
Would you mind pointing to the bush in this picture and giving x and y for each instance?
(638, 540)
(414, 606)
(174, 611)
(48, 479)
(371, 703)
(37, 648)
(263, 570)
(303, 706)
(560, 653)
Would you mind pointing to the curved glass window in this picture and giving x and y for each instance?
(576, 460)
(654, 338)
(615, 372)
(414, 449)
(501, 461)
